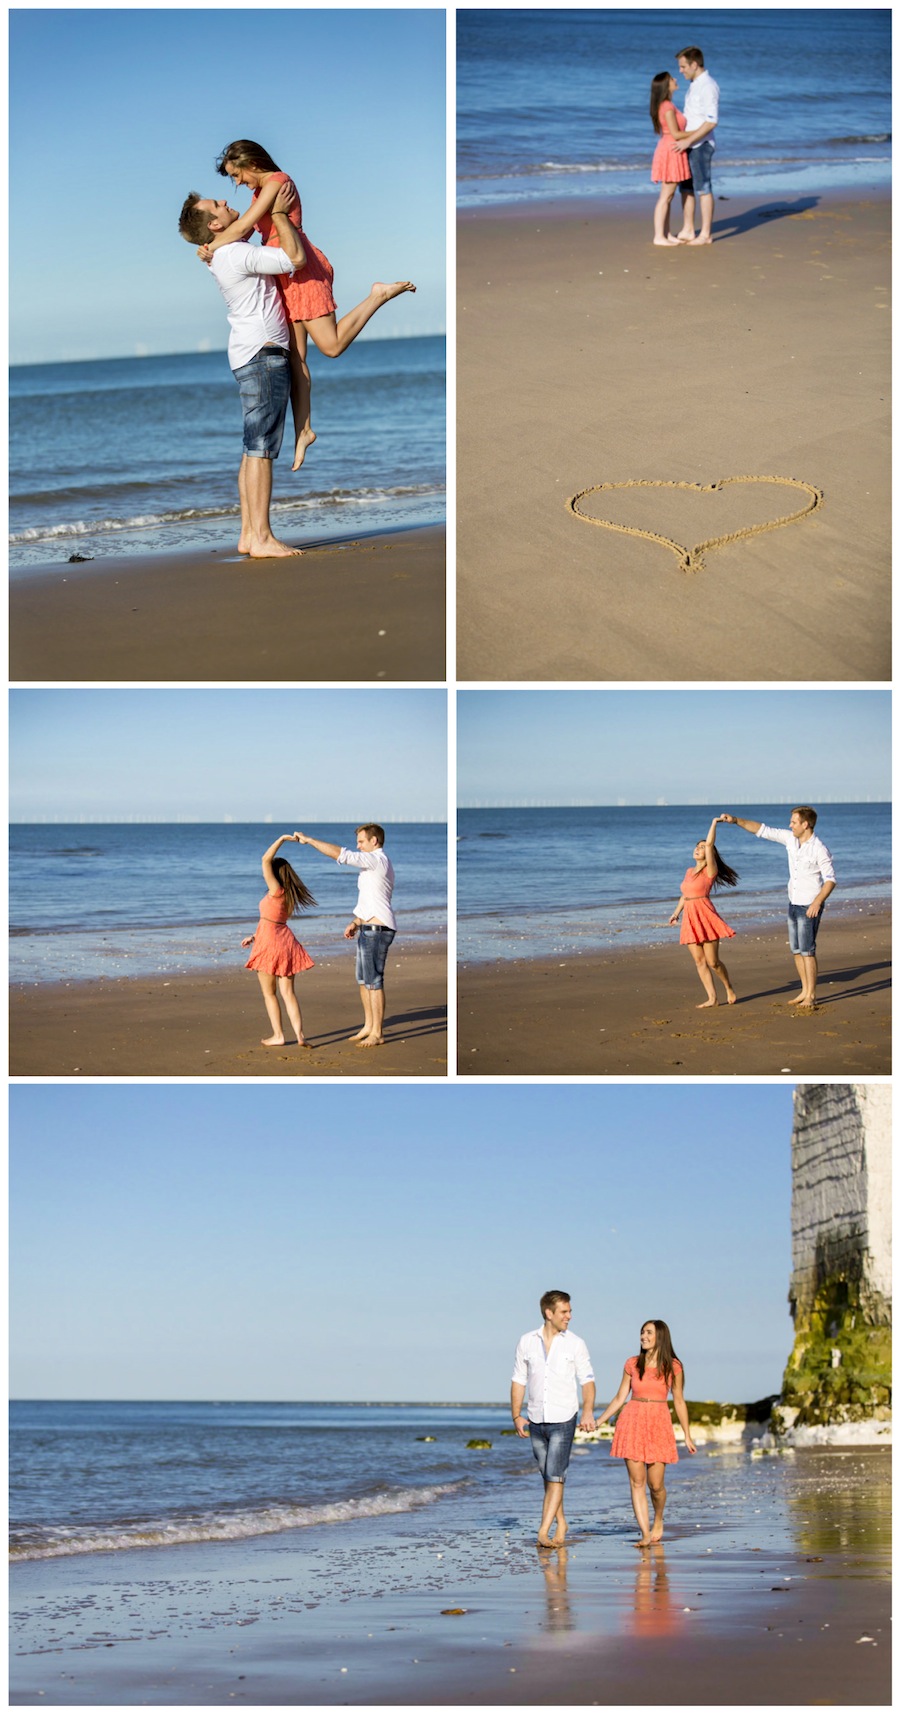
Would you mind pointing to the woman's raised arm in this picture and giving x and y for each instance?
(712, 861)
(269, 875)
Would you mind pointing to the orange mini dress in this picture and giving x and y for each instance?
(669, 166)
(699, 920)
(307, 293)
(276, 949)
(644, 1427)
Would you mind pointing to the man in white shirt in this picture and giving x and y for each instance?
(701, 111)
(374, 923)
(550, 1362)
(811, 879)
(258, 350)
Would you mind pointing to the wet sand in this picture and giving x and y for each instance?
(361, 609)
(588, 356)
(632, 1012)
(772, 1589)
(209, 1024)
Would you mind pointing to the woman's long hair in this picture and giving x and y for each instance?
(665, 1356)
(659, 92)
(296, 896)
(725, 876)
(243, 153)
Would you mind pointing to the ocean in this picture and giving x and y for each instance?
(554, 104)
(133, 455)
(154, 898)
(536, 882)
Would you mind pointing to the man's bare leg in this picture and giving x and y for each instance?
(332, 337)
(365, 995)
(244, 538)
(301, 390)
(809, 972)
(375, 1037)
(686, 234)
(707, 205)
(258, 484)
(553, 1499)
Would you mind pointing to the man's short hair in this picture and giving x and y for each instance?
(193, 222)
(372, 831)
(805, 813)
(550, 1300)
(694, 56)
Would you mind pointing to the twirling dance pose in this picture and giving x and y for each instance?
(307, 294)
(277, 955)
(644, 1434)
(701, 926)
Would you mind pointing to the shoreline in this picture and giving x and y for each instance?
(210, 1024)
(211, 615)
(633, 1012)
(641, 201)
(790, 292)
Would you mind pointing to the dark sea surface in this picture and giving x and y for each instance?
(534, 882)
(554, 104)
(132, 455)
(131, 900)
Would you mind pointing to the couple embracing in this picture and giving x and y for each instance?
(550, 1363)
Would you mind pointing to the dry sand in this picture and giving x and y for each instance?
(210, 1025)
(632, 1013)
(587, 356)
(360, 609)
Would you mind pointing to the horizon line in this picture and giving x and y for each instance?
(200, 351)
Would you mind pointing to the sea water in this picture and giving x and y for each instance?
(130, 455)
(534, 882)
(555, 104)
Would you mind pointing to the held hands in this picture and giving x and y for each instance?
(300, 838)
(588, 1422)
(730, 818)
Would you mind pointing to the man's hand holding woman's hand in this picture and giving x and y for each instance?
(588, 1422)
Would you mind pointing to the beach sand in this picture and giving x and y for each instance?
(632, 1012)
(359, 609)
(587, 356)
(209, 1024)
(357, 1613)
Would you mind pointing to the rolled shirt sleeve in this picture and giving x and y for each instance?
(520, 1366)
(261, 259)
(778, 835)
(583, 1366)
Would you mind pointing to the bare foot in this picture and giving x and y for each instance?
(656, 1534)
(562, 1531)
(304, 441)
(272, 548)
(361, 1035)
(700, 240)
(665, 242)
(731, 996)
(274, 1041)
(806, 1005)
(372, 1041)
(542, 1543)
(243, 545)
(703, 1004)
(645, 1541)
(385, 292)
(685, 238)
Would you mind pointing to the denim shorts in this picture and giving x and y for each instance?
(802, 930)
(551, 1443)
(372, 943)
(700, 160)
(265, 388)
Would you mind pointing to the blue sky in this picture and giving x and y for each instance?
(115, 115)
(214, 755)
(641, 747)
(203, 1242)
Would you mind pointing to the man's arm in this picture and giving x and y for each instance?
(588, 1394)
(819, 900)
(319, 845)
(687, 139)
(736, 821)
(516, 1398)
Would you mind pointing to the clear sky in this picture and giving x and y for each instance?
(216, 755)
(115, 115)
(191, 1241)
(642, 747)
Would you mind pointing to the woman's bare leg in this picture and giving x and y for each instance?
(332, 336)
(289, 1001)
(301, 388)
(267, 984)
(637, 1476)
(656, 1476)
(661, 215)
(711, 949)
(705, 975)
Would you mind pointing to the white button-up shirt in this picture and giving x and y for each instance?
(376, 884)
(701, 104)
(243, 273)
(809, 863)
(550, 1379)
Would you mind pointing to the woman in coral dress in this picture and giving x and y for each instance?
(308, 300)
(277, 955)
(670, 169)
(701, 926)
(644, 1434)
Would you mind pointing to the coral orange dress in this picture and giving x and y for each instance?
(307, 293)
(276, 950)
(699, 921)
(644, 1427)
(669, 167)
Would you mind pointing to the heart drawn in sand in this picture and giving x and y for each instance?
(691, 558)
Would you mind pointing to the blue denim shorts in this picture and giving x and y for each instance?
(265, 388)
(802, 930)
(700, 160)
(372, 944)
(551, 1443)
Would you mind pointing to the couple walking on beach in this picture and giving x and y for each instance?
(278, 957)
(683, 157)
(278, 297)
(550, 1363)
(811, 880)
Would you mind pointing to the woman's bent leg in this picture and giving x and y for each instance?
(656, 1477)
(332, 336)
(637, 1476)
(711, 949)
(705, 975)
(301, 387)
(289, 1001)
(267, 984)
